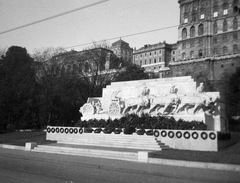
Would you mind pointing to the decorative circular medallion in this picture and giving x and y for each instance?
(179, 134)
(186, 135)
(53, 130)
(163, 133)
(48, 130)
(57, 130)
(61, 130)
(170, 134)
(75, 130)
(80, 130)
(66, 130)
(194, 135)
(212, 136)
(204, 135)
(156, 133)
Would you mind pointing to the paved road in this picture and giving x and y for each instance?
(21, 166)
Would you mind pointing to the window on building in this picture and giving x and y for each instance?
(235, 36)
(192, 43)
(200, 29)
(215, 27)
(225, 12)
(185, 20)
(200, 53)
(235, 23)
(173, 52)
(145, 62)
(215, 51)
(184, 33)
(160, 51)
(194, 16)
(183, 55)
(150, 53)
(235, 48)
(215, 10)
(155, 61)
(200, 41)
(140, 63)
(215, 40)
(183, 45)
(225, 50)
(202, 16)
(225, 25)
(192, 54)
(173, 59)
(225, 8)
(192, 31)
(160, 59)
(235, 6)
(225, 38)
(150, 61)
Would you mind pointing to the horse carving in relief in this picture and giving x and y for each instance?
(197, 102)
(165, 101)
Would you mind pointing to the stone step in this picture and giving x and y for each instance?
(87, 152)
(126, 146)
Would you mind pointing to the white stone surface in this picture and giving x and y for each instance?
(30, 145)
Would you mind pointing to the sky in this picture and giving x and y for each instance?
(109, 19)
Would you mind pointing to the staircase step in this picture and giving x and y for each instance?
(111, 154)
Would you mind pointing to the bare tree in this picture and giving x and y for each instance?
(3, 51)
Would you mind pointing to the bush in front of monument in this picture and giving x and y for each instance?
(129, 130)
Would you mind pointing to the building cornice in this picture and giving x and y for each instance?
(206, 59)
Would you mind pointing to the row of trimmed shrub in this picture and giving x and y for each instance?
(144, 122)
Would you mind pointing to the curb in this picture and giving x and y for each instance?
(194, 164)
(6, 146)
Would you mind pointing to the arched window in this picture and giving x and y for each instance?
(192, 54)
(225, 50)
(192, 31)
(200, 29)
(183, 55)
(235, 48)
(215, 28)
(200, 53)
(184, 33)
(215, 51)
(235, 23)
(225, 25)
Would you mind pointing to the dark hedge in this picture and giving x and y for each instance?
(144, 122)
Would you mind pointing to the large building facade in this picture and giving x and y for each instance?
(208, 28)
(122, 50)
(155, 57)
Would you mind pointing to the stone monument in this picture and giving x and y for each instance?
(177, 97)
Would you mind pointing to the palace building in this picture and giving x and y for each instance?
(208, 28)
